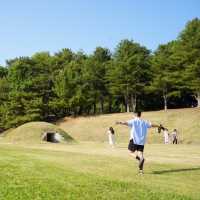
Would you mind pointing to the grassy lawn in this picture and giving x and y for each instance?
(89, 170)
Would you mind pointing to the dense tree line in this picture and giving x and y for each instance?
(46, 87)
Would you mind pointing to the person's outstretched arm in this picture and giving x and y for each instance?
(155, 126)
(122, 123)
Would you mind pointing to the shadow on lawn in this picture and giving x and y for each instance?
(176, 170)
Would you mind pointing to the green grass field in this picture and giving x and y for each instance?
(88, 169)
(91, 170)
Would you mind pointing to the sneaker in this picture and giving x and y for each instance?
(141, 172)
(141, 164)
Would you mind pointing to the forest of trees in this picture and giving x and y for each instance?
(48, 87)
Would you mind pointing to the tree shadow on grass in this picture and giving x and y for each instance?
(176, 170)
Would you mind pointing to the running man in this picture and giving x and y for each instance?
(138, 135)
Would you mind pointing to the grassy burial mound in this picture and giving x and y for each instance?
(37, 132)
(186, 121)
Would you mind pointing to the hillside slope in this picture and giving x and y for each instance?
(32, 132)
(94, 128)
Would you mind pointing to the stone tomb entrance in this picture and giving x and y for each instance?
(53, 137)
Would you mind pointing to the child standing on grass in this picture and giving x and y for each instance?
(174, 137)
(166, 136)
(111, 136)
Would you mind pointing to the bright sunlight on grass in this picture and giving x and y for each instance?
(66, 172)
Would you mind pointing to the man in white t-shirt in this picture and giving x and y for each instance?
(139, 128)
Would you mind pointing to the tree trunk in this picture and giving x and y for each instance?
(127, 107)
(102, 105)
(165, 101)
(127, 104)
(198, 99)
(133, 102)
(94, 108)
(88, 111)
(110, 104)
(80, 110)
(127, 99)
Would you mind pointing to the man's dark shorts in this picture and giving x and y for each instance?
(135, 147)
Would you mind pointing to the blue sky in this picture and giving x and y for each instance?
(29, 26)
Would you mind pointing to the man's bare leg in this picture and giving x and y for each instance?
(141, 161)
(134, 155)
(137, 155)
